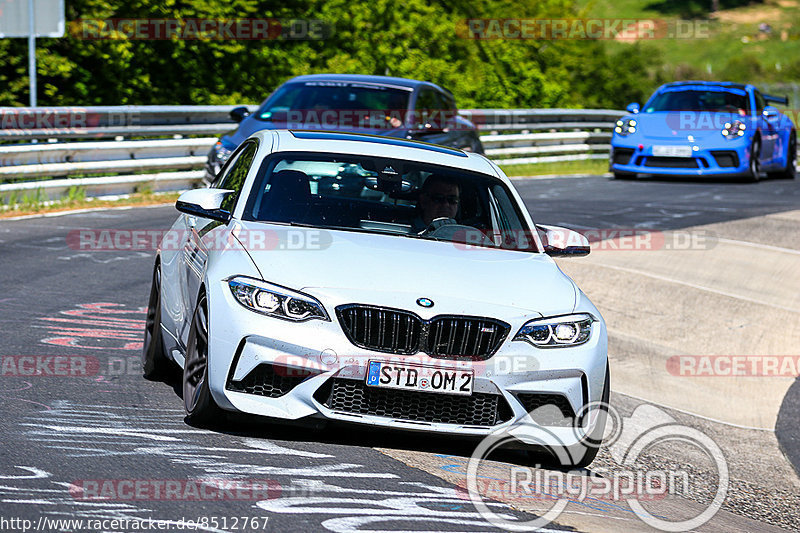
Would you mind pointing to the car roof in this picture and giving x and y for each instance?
(365, 78)
(715, 84)
(380, 146)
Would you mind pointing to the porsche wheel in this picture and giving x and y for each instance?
(754, 169)
(790, 171)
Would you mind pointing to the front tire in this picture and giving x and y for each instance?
(754, 169)
(155, 364)
(200, 406)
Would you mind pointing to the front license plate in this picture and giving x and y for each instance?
(672, 151)
(419, 378)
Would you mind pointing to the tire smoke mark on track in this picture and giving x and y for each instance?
(97, 326)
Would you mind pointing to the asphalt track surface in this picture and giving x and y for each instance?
(61, 431)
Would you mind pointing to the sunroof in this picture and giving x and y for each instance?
(390, 141)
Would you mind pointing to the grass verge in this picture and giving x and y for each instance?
(77, 201)
(589, 166)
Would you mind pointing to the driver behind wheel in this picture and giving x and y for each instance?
(438, 198)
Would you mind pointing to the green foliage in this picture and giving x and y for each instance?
(75, 195)
(416, 38)
(32, 200)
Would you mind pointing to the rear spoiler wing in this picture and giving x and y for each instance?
(777, 99)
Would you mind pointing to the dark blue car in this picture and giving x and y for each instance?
(713, 129)
(379, 105)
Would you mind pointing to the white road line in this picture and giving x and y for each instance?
(699, 287)
(759, 245)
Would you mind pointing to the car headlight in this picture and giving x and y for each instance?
(221, 153)
(625, 127)
(276, 301)
(734, 130)
(557, 331)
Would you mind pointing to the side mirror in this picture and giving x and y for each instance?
(632, 108)
(770, 112)
(560, 242)
(238, 114)
(204, 203)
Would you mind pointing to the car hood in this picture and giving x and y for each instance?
(394, 271)
(678, 125)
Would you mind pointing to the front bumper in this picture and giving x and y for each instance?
(731, 159)
(268, 367)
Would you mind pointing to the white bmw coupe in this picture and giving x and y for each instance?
(375, 281)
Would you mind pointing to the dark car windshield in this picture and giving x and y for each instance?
(698, 100)
(388, 196)
(319, 102)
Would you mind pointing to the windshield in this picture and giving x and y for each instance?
(696, 100)
(344, 103)
(392, 197)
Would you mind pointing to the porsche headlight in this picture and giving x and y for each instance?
(557, 331)
(625, 127)
(276, 301)
(734, 130)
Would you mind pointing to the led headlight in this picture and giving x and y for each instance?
(625, 127)
(733, 130)
(557, 331)
(276, 301)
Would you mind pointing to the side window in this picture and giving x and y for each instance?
(512, 228)
(760, 102)
(234, 178)
(426, 100)
(425, 106)
(429, 107)
(226, 169)
(449, 102)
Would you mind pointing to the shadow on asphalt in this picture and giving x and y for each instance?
(357, 436)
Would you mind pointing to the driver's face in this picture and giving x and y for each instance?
(440, 201)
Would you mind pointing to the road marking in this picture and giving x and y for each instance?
(759, 245)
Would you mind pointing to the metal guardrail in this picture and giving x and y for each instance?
(513, 136)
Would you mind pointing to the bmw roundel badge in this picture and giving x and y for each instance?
(425, 302)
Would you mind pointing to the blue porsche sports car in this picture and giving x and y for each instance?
(698, 128)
